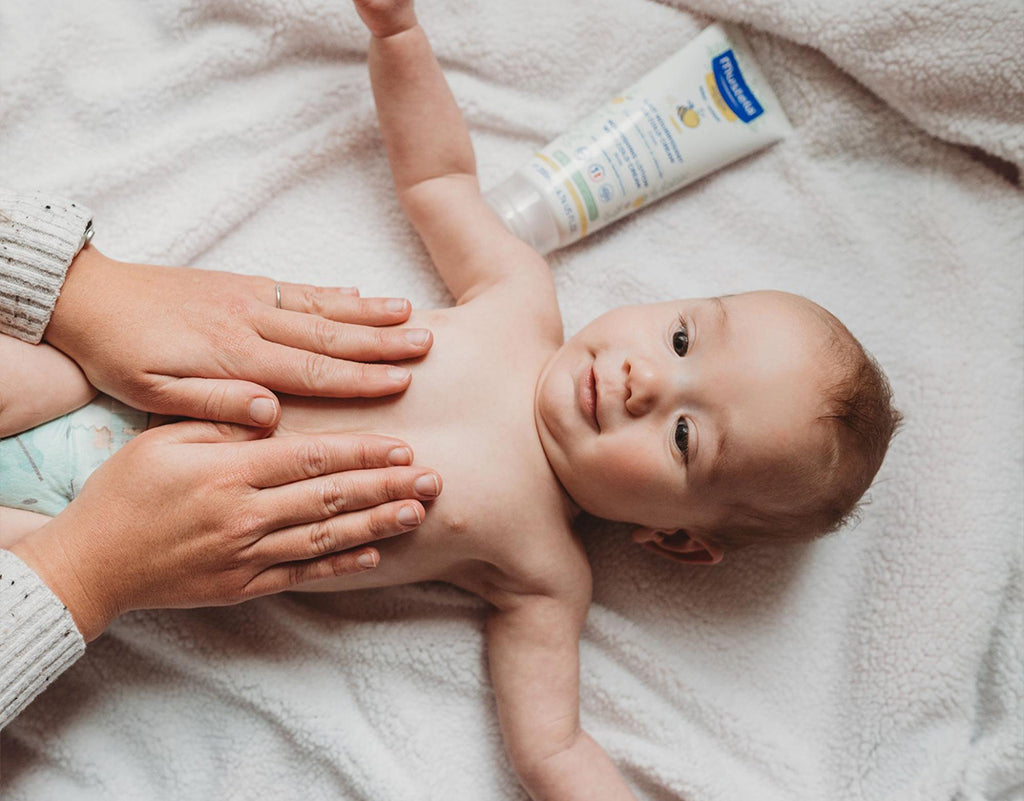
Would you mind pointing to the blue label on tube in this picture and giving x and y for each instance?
(734, 89)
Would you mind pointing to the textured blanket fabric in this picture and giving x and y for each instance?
(882, 664)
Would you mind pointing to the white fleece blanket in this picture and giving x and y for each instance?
(881, 664)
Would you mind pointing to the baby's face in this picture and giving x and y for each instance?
(663, 415)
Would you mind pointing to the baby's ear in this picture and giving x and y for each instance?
(679, 546)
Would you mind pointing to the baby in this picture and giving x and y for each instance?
(706, 425)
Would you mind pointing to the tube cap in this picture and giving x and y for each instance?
(522, 208)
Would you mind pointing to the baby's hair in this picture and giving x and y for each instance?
(860, 421)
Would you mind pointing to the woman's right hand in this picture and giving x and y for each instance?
(205, 514)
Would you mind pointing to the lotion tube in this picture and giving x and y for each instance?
(705, 107)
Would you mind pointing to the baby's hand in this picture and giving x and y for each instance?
(386, 17)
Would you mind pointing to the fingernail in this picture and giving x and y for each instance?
(400, 456)
(367, 560)
(262, 411)
(349, 290)
(409, 516)
(398, 374)
(427, 485)
(417, 336)
(397, 305)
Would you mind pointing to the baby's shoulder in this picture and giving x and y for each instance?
(528, 556)
(524, 297)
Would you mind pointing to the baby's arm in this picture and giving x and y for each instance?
(533, 646)
(37, 383)
(16, 523)
(432, 159)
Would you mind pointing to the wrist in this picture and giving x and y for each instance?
(43, 552)
(397, 29)
(88, 277)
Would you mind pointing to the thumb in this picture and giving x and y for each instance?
(206, 431)
(219, 399)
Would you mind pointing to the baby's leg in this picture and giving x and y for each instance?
(37, 384)
(16, 523)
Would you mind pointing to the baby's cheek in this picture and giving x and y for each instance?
(631, 469)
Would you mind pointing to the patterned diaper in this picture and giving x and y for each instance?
(43, 469)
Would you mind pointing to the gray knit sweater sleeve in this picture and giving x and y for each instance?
(38, 637)
(39, 236)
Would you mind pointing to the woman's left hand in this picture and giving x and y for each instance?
(211, 345)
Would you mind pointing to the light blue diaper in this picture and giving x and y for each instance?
(44, 468)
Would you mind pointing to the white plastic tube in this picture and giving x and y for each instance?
(703, 108)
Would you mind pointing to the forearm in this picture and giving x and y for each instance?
(581, 772)
(423, 130)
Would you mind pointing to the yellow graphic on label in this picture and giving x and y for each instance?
(716, 96)
(689, 117)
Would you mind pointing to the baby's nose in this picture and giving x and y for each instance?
(642, 386)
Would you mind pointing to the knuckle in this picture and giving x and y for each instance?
(341, 565)
(310, 299)
(382, 338)
(316, 371)
(325, 335)
(313, 458)
(382, 524)
(216, 402)
(321, 538)
(366, 452)
(368, 308)
(394, 487)
(298, 573)
(367, 374)
(251, 523)
(333, 499)
(235, 307)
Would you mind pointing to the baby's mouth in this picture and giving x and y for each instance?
(588, 396)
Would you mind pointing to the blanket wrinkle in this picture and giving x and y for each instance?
(881, 664)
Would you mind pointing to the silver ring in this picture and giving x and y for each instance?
(277, 295)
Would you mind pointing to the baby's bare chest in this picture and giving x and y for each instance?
(468, 414)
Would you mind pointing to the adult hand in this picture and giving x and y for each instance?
(210, 345)
(195, 514)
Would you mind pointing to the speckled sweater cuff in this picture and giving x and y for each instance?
(38, 637)
(39, 236)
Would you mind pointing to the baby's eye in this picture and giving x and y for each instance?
(682, 436)
(681, 340)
